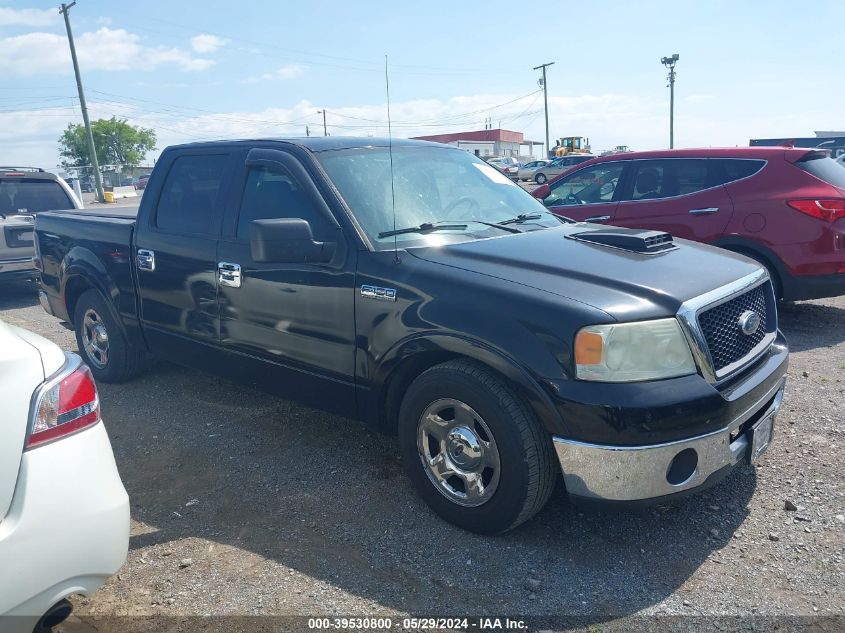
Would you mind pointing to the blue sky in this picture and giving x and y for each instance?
(196, 70)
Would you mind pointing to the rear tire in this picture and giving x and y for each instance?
(102, 343)
(540, 179)
(482, 438)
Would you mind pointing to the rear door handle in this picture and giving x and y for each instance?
(706, 211)
(145, 260)
(598, 218)
(229, 274)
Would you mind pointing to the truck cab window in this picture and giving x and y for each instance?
(189, 195)
(274, 193)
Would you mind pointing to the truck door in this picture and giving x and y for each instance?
(295, 317)
(176, 250)
(682, 196)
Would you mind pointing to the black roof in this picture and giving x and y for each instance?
(320, 143)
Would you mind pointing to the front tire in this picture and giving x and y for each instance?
(101, 341)
(473, 450)
(540, 179)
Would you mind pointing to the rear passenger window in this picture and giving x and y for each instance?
(190, 193)
(274, 193)
(730, 169)
(655, 179)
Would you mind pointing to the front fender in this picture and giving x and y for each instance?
(421, 350)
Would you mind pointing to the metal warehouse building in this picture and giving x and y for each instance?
(496, 142)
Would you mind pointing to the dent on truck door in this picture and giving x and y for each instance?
(176, 251)
(291, 325)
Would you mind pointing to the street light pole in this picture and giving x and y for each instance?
(89, 135)
(545, 100)
(670, 62)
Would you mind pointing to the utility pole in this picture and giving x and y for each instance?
(545, 100)
(670, 62)
(325, 131)
(307, 131)
(98, 183)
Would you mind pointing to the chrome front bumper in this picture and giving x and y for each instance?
(633, 473)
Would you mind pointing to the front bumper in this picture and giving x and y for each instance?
(635, 473)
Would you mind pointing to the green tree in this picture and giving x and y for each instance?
(116, 143)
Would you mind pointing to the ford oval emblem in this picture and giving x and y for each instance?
(748, 322)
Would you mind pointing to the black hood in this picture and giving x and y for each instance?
(626, 285)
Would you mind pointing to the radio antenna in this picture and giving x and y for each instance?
(396, 259)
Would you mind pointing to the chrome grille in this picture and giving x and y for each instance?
(726, 342)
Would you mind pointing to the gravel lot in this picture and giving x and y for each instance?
(244, 504)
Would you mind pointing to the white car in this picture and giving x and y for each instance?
(841, 160)
(64, 513)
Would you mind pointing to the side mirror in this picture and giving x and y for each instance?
(541, 192)
(287, 241)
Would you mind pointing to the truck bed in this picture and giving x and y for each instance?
(70, 242)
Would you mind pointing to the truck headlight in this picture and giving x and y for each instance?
(628, 352)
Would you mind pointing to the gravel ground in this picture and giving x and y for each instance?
(244, 504)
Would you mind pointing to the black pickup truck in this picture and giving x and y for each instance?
(415, 287)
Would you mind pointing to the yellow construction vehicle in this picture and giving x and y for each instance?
(570, 145)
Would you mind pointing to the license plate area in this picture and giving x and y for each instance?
(761, 436)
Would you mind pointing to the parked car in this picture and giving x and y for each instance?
(86, 184)
(141, 183)
(640, 366)
(841, 160)
(527, 171)
(508, 165)
(64, 514)
(24, 192)
(784, 207)
(559, 166)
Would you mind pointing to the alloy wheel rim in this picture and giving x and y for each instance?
(458, 452)
(95, 338)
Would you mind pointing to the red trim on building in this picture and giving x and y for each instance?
(500, 135)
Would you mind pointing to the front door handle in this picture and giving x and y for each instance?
(145, 259)
(706, 211)
(229, 274)
(598, 218)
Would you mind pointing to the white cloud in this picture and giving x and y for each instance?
(205, 43)
(696, 98)
(288, 71)
(30, 136)
(28, 17)
(103, 49)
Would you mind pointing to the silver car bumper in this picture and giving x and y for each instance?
(632, 473)
(19, 264)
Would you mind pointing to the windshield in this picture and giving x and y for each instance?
(430, 185)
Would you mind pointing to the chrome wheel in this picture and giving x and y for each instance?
(95, 338)
(458, 452)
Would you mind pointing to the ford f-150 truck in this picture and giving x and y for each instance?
(413, 286)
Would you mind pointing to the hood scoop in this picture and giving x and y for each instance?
(633, 240)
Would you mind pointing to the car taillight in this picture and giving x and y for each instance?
(829, 210)
(65, 404)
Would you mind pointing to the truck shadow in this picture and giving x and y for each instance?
(18, 294)
(809, 325)
(327, 497)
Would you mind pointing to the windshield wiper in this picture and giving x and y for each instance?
(425, 227)
(522, 217)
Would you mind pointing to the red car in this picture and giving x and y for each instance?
(783, 206)
(141, 183)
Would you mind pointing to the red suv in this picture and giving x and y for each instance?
(783, 206)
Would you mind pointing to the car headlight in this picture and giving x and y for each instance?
(628, 352)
